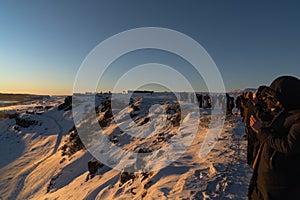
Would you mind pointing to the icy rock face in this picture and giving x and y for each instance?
(72, 144)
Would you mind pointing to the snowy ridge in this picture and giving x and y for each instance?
(32, 165)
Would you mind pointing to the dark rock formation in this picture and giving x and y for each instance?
(127, 174)
(93, 167)
(72, 144)
(104, 112)
(25, 122)
(67, 105)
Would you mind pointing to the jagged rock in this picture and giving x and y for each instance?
(105, 113)
(135, 108)
(134, 103)
(62, 160)
(127, 175)
(133, 191)
(72, 144)
(175, 119)
(114, 139)
(144, 194)
(39, 107)
(52, 182)
(25, 121)
(29, 112)
(174, 114)
(93, 167)
(67, 105)
(48, 107)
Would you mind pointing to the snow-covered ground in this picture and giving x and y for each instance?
(32, 165)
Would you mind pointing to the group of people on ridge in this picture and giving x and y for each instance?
(272, 121)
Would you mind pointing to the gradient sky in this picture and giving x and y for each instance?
(43, 43)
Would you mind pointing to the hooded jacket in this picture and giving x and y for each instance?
(278, 172)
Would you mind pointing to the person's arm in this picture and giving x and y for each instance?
(289, 143)
(255, 123)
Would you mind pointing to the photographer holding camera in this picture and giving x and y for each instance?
(276, 166)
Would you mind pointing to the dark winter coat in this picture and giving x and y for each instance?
(252, 145)
(278, 170)
(250, 107)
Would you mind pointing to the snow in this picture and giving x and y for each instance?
(204, 158)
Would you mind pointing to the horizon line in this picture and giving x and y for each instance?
(120, 92)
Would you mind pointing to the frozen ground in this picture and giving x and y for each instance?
(32, 165)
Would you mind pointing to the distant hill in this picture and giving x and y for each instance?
(12, 99)
(239, 91)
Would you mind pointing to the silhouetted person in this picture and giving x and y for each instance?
(229, 104)
(200, 100)
(276, 167)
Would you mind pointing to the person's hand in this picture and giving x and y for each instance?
(255, 123)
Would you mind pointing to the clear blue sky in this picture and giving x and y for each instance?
(43, 43)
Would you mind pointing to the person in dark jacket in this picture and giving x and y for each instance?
(277, 164)
(229, 104)
(238, 104)
(200, 99)
(250, 134)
